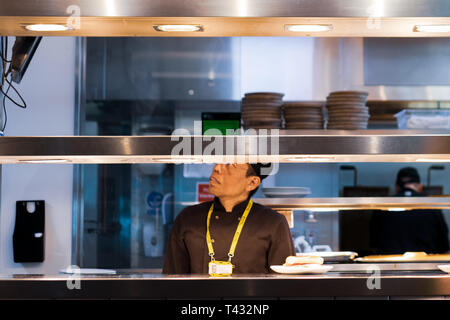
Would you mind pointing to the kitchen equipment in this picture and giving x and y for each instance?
(221, 121)
(153, 237)
(433, 190)
(406, 257)
(29, 231)
(285, 192)
(302, 269)
(354, 225)
(423, 119)
(301, 245)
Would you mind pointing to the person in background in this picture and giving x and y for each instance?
(265, 238)
(412, 230)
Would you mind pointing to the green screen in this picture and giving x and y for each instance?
(221, 125)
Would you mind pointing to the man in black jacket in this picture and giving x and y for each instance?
(412, 230)
(204, 233)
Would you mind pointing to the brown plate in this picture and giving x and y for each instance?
(302, 111)
(345, 115)
(303, 114)
(294, 104)
(347, 108)
(349, 92)
(303, 118)
(304, 127)
(262, 104)
(346, 103)
(246, 127)
(347, 127)
(264, 95)
(349, 121)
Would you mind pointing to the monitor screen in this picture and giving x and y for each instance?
(22, 53)
(220, 121)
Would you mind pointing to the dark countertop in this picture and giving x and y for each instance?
(126, 285)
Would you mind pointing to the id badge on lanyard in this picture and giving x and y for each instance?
(224, 268)
(220, 268)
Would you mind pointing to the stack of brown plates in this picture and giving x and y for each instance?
(347, 110)
(303, 115)
(262, 110)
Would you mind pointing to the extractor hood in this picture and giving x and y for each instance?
(213, 18)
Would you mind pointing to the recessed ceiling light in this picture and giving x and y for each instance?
(432, 28)
(308, 27)
(178, 28)
(47, 27)
(45, 161)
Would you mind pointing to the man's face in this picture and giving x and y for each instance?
(230, 180)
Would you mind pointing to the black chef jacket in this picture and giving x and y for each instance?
(409, 231)
(265, 239)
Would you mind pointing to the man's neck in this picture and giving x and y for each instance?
(229, 203)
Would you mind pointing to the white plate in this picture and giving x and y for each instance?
(444, 267)
(304, 269)
(285, 192)
(87, 271)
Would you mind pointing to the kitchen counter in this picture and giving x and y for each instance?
(127, 285)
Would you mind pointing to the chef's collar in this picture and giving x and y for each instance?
(238, 208)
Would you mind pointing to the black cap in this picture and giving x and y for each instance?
(257, 167)
(407, 175)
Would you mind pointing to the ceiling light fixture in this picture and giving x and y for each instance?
(432, 28)
(308, 27)
(47, 27)
(178, 28)
(45, 161)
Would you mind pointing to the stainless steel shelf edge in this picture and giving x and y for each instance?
(360, 203)
(220, 8)
(297, 146)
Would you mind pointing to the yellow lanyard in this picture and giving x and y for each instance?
(236, 234)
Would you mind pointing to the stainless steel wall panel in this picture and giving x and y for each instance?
(239, 8)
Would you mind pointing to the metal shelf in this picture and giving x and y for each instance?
(285, 146)
(360, 203)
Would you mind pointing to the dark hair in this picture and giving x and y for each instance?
(407, 175)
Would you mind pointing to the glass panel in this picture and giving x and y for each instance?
(152, 86)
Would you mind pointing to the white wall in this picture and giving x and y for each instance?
(278, 65)
(49, 90)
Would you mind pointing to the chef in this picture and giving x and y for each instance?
(412, 230)
(230, 234)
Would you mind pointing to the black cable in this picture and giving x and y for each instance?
(24, 105)
(4, 44)
(4, 111)
(5, 61)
